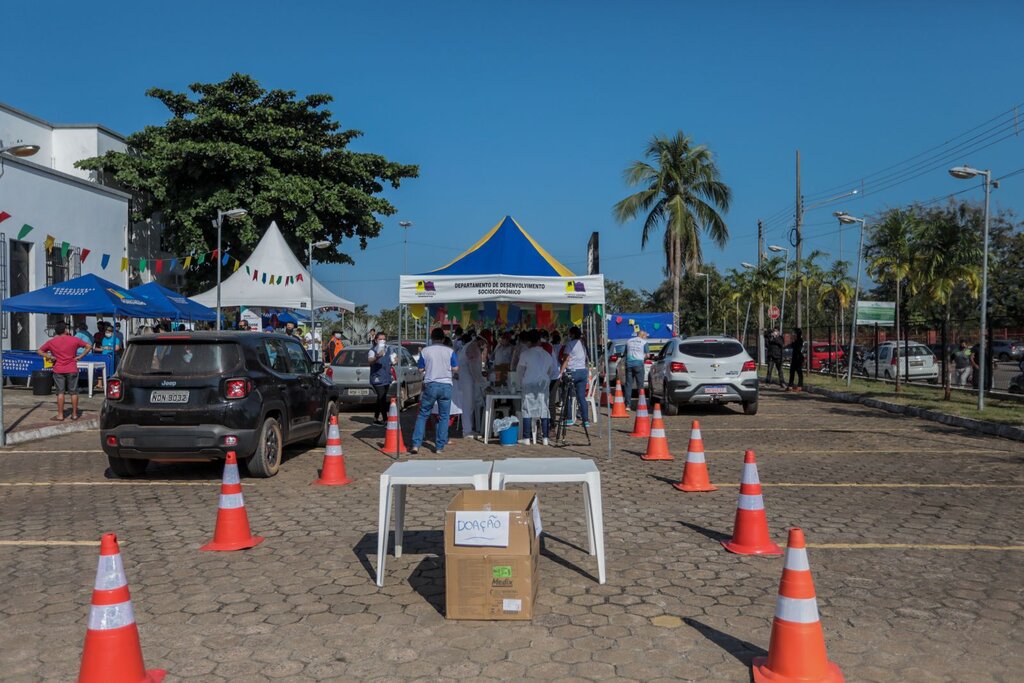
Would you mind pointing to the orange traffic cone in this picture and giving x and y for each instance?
(796, 653)
(695, 471)
(232, 531)
(642, 423)
(112, 653)
(604, 395)
(333, 471)
(750, 533)
(657, 445)
(619, 406)
(394, 444)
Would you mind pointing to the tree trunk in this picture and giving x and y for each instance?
(896, 328)
(676, 267)
(947, 392)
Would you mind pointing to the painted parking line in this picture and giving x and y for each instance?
(911, 546)
(930, 451)
(15, 451)
(112, 483)
(45, 544)
(859, 485)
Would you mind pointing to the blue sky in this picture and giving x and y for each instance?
(535, 108)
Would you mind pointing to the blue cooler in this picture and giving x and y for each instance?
(510, 436)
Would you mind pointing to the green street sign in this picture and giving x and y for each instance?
(881, 313)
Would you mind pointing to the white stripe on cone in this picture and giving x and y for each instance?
(797, 610)
(230, 501)
(694, 457)
(333, 449)
(796, 559)
(695, 434)
(748, 502)
(657, 433)
(750, 473)
(110, 573)
(106, 617)
(231, 474)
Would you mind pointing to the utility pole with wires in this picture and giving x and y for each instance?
(760, 305)
(797, 242)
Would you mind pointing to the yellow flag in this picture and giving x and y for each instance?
(188, 262)
(48, 242)
(467, 316)
(416, 310)
(237, 263)
(576, 314)
(124, 264)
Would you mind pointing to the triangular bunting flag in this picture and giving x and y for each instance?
(247, 270)
(84, 255)
(142, 265)
(25, 230)
(255, 274)
(224, 260)
(48, 243)
(264, 278)
(237, 263)
(174, 264)
(299, 277)
(202, 259)
(124, 264)
(279, 279)
(159, 265)
(104, 261)
(4, 216)
(214, 254)
(64, 248)
(188, 261)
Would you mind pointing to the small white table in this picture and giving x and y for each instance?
(419, 473)
(90, 367)
(489, 400)
(559, 471)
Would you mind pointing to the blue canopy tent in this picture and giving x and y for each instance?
(87, 295)
(185, 308)
(506, 268)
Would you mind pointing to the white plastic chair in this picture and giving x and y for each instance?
(396, 478)
(559, 471)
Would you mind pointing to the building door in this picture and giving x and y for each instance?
(20, 284)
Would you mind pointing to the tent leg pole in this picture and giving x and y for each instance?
(607, 380)
(398, 387)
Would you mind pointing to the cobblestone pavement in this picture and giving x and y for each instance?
(915, 532)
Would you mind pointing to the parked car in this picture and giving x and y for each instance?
(1017, 381)
(1006, 349)
(654, 346)
(922, 362)
(704, 369)
(351, 374)
(822, 352)
(198, 395)
(414, 348)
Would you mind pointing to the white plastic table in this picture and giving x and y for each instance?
(419, 473)
(90, 367)
(560, 471)
(489, 400)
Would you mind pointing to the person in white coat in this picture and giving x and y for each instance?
(471, 381)
(533, 373)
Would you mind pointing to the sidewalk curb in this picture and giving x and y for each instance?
(991, 428)
(23, 435)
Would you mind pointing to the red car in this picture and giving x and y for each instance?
(821, 352)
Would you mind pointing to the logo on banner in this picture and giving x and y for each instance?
(574, 289)
(425, 288)
(122, 297)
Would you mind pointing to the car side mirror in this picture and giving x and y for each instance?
(319, 368)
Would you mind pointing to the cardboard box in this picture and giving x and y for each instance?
(491, 546)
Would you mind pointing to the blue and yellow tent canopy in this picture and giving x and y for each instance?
(506, 249)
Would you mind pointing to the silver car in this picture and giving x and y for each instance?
(706, 369)
(351, 373)
(919, 363)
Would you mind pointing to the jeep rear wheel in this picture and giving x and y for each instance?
(750, 407)
(127, 467)
(266, 461)
(667, 406)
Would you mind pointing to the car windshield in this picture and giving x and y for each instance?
(711, 349)
(181, 357)
(350, 358)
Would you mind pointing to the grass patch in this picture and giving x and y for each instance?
(961, 404)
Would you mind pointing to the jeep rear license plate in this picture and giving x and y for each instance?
(714, 390)
(358, 392)
(168, 397)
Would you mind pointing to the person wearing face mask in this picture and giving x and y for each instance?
(382, 363)
(333, 347)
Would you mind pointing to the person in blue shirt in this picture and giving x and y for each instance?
(84, 334)
(381, 360)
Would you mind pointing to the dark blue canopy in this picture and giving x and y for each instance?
(505, 249)
(183, 307)
(87, 295)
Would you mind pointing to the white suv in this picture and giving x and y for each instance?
(711, 369)
(918, 363)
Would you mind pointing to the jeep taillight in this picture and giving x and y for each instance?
(114, 389)
(677, 367)
(329, 371)
(750, 366)
(237, 388)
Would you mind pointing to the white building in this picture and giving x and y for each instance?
(47, 192)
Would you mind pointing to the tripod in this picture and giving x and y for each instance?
(569, 405)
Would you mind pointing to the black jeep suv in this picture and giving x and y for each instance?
(198, 395)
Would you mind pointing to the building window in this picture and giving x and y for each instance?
(57, 267)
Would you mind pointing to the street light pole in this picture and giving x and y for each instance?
(230, 214)
(322, 244)
(748, 266)
(404, 320)
(963, 173)
(18, 149)
(785, 285)
(846, 218)
(707, 302)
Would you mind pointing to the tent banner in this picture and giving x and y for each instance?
(426, 289)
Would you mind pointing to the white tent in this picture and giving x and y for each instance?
(272, 260)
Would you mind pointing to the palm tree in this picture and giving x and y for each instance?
(947, 259)
(836, 289)
(888, 255)
(682, 189)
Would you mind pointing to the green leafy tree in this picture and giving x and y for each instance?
(888, 253)
(835, 292)
(621, 299)
(681, 190)
(387, 321)
(235, 144)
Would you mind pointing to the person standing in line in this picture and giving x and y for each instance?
(83, 334)
(576, 364)
(372, 336)
(502, 358)
(471, 378)
(796, 362)
(962, 364)
(976, 367)
(65, 350)
(636, 355)
(774, 348)
(382, 363)
(334, 346)
(440, 366)
(457, 334)
(533, 373)
(120, 337)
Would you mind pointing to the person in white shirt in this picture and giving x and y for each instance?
(576, 363)
(440, 366)
(533, 374)
(636, 354)
(502, 358)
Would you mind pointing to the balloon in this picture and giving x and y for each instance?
(618, 319)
